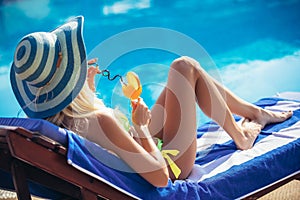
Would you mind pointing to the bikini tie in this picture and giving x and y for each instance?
(174, 168)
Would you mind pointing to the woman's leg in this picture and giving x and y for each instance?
(250, 111)
(257, 116)
(187, 82)
(174, 116)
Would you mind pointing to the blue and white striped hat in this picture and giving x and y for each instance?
(49, 69)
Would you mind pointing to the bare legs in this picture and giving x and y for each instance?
(176, 123)
(249, 111)
(179, 128)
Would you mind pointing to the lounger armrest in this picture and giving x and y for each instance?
(36, 138)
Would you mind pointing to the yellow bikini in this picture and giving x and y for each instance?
(175, 169)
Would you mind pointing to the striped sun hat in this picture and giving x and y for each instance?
(49, 69)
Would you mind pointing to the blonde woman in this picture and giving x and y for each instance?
(50, 80)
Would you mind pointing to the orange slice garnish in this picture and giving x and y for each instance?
(133, 88)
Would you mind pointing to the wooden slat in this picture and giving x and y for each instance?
(56, 165)
(39, 176)
(20, 183)
(35, 137)
(3, 131)
(5, 160)
(2, 140)
(87, 195)
(42, 140)
(3, 146)
(36, 175)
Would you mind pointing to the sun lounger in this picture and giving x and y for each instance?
(32, 163)
(37, 157)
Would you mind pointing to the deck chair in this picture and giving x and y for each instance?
(39, 158)
(34, 164)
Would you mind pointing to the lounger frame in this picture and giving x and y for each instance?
(32, 156)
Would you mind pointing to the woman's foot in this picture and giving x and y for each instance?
(249, 131)
(252, 127)
(265, 117)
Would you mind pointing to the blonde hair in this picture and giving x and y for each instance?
(74, 116)
(85, 105)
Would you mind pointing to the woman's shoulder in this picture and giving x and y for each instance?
(104, 113)
(108, 117)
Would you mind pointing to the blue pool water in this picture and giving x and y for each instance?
(251, 46)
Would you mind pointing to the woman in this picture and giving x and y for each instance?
(50, 80)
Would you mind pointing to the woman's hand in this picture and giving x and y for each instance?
(91, 73)
(141, 115)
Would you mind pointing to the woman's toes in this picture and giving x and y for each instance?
(285, 115)
(289, 113)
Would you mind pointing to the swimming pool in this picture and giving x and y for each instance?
(252, 47)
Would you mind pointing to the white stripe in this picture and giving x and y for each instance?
(284, 106)
(289, 95)
(23, 94)
(59, 73)
(289, 132)
(214, 137)
(210, 169)
(49, 63)
(238, 157)
(20, 63)
(37, 60)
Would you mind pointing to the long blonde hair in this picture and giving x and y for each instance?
(86, 104)
(74, 116)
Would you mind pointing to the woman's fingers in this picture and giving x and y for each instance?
(91, 73)
(139, 103)
(92, 61)
(93, 70)
(140, 113)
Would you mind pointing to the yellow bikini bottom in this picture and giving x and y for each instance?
(165, 153)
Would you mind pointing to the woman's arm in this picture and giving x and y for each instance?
(91, 73)
(145, 160)
(141, 117)
(143, 137)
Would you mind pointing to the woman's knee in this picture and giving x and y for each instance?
(185, 65)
